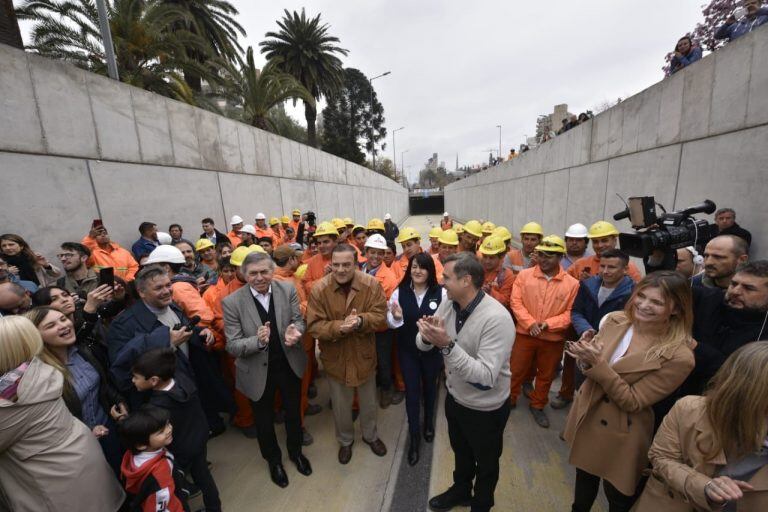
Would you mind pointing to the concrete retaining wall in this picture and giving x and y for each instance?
(701, 133)
(75, 146)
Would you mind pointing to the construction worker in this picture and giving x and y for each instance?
(207, 252)
(576, 243)
(470, 236)
(446, 222)
(518, 259)
(604, 236)
(542, 298)
(261, 227)
(266, 243)
(410, 240)
(487, 228)
(285, 223)
(349, 223)
(448, 244)
(247, 236)
(375, 226)
(498, 280)
(106, 253)
(237, 223)
(319, 265)
(458, 228)
(274, 225)
(505, 236)
(434, 243)
(358, 239)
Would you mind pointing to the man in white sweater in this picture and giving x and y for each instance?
(475, 334)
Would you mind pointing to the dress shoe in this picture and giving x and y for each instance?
(386, 398)
(302, 464)
(250, 431)
(540, 417)
(559, 402)
(377, 447)
(449, 499)
(278, 475)
(527, 389)
(313, 409)
(345, 454)
(306, 438)
(397, 397)
(429, 432)
(312, 391)
(413, 451)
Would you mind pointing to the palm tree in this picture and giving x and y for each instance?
(307, 52)
(261, 91)
(148, 56)
(214, 22)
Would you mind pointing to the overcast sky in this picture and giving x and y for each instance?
(461, 67)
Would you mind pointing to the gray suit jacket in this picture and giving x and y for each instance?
(241, 321)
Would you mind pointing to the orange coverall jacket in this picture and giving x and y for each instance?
(593, 264)
(315, 271)
(501, 282)
(114, 256)
(536, 300)
(187, 297)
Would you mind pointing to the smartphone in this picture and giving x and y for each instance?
(97, 223)
(107, 276)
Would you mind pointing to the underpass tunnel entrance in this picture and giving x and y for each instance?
(421, 202)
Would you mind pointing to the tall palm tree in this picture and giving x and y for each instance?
(307, 52)
(261, 91)
(148, 56)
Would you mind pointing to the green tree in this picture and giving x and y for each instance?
(309, 54)
(348, 118)
(384, 166)
(148, 56)
(286, 126)
(9, 26)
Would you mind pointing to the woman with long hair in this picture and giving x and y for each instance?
(711, 452)
(639, 357)
(25, 263)
(88, 391)
(417, 296)
(49, 461)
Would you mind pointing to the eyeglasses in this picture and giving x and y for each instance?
(66, 255)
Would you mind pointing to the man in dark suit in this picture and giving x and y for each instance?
(263, 324)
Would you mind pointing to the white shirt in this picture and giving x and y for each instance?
(169, 386)
(394, 298)
(621, 350)
(262, 298)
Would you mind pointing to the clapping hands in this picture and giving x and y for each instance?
(350, 323)
(432, 329)
(292, 335)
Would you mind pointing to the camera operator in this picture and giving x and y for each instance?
(305, 228)
(723, 322)
(722, 256)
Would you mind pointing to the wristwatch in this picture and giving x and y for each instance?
(447, 350)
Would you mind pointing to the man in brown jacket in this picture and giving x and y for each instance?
(345, 309)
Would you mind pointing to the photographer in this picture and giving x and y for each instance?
(305, 228)
(744, 19)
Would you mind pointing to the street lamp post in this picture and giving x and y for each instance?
(373, 144)
(394, 149)
(106, 36)
(499, 127)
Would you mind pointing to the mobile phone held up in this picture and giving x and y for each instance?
(107, 276)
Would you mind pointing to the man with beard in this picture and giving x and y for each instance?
(78, 279)
(722, 256)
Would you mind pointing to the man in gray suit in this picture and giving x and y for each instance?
(264, 326)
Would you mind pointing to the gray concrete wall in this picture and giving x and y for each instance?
(75, 146)
(701, 133)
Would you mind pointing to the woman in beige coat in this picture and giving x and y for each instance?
(639, 357)
(49, 461)
(712, 450)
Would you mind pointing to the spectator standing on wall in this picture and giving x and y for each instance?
(725, 218)
(744, 19)
(685, 54)
(512, 154)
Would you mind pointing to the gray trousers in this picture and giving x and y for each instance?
(342, 397)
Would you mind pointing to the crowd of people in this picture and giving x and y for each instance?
(118, 366)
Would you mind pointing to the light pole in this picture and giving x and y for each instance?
(394, 152)
(106, 36)
(373, 144)
(499, 127)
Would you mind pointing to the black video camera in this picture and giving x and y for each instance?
(311, 218)
(668, 232)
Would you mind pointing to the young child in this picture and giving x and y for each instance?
(154, 371)
(147, 466)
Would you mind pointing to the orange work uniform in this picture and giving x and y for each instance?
(111, 256)
(500, 282)
(266, 232)
(446, 224)
(536, 299)
(515, 261)
(315, 271)
(234, 238)
(591, 264)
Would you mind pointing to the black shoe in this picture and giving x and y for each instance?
(278, 474)
(540, 417)
(312, 391)
(302, 464)
(449, 499)
(429, 432)
(250, 431)
(345, 454)
(313, 409)
(413, 451)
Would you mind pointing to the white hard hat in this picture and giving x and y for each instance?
(236, 219)
(577, 231)
(445, 214)
(165, 254)
(164, 238)
(387, 217)
(248, 228)
(261, 216)
(376, 242)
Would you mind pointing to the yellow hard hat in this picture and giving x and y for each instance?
(301, 271)
(375, 224)
(502, 233)
(435, 232)
(238, 255)
(449, 237)
(602, 228)
(407, 234)
(273, 221)
(203, 244)
(488, 227)
(357, 228)
(492, 246)
(326, 229)
(532, 228)
(296, 212)
(458, 228)
(348, 221)
(474, 228)
(285, 219)
(338, 223)
(551, 243)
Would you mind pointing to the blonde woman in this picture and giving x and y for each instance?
(710, 452)
(639, 357)
(49, 461)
